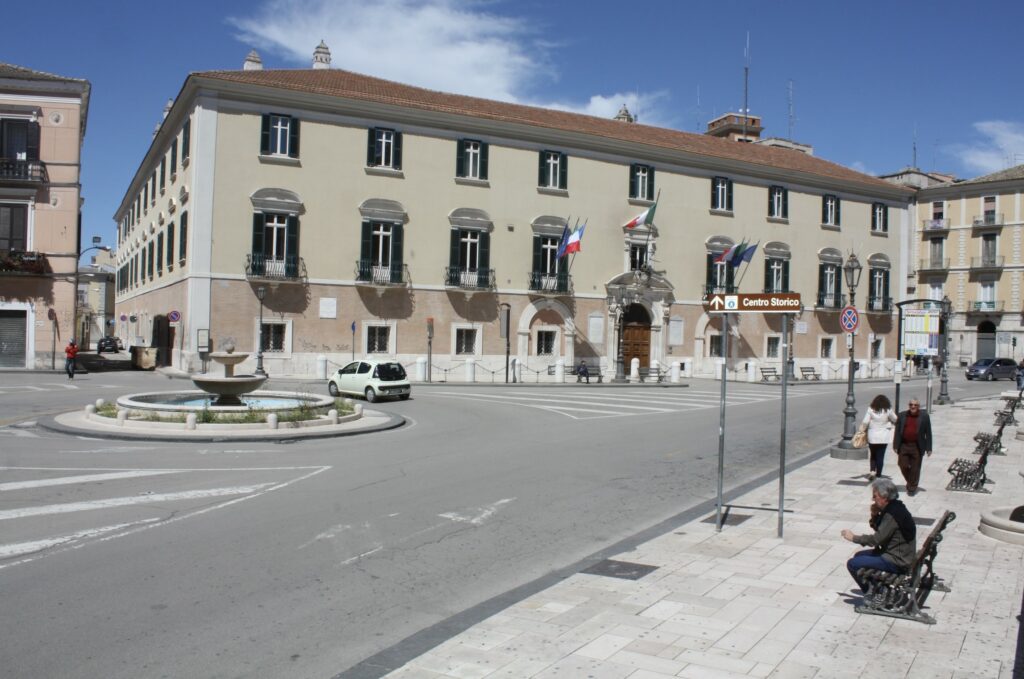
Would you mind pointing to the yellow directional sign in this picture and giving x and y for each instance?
(761, 303)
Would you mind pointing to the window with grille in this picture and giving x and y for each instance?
(465, 341)
(377, 339)
(546, 342)
(772, 349)
(715, 346)
(826, 347)
(272, 337)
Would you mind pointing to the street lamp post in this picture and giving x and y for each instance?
(851, 270)
(617, 299)
(261, 293)
(74, 304)
(947, 307)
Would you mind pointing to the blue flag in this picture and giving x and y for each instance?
(353, 326)
(564, 243)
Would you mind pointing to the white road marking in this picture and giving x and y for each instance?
(107, 503)
(363, 555)
(19, 433)
(485, 513)
(327, 534)
(85, 478)
(19, 548)
(61, 385)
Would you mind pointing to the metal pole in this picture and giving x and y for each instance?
(259, 352)
(928, 392)
(508, 338)
(620, 374)
(782, 434)
(849, 412)
(721, 422)
(944, 398)
(899, 355)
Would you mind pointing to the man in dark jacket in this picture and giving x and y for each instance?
(894, 542)
(912, 441)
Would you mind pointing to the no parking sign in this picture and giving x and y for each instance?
(849, 319)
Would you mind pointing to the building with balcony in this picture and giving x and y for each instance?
(968, 246)
(42, 126)
(363, 207)
(95, 300)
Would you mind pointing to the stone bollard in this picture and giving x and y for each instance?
(272, 420)
(634, 370)
(516, 368)
(674, 372)
(751, 371)
(471, 370)
(358, 409)
(90, 410)
(190, 421)
(100, 403)
(826, 372)
(421, 369)
(321, 367)
(332, 415)
(560, 370)
(122, 417)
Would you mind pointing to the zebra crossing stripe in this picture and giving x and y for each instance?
(84, 478)
(19, 548)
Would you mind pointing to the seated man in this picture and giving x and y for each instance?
(894, 542)
(582, 372)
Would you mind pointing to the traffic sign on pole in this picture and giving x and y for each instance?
(849, 319)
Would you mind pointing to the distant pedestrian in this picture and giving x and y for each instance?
(912, 441)
(1020, 375)
(894, 542)
(878, 420)
(582, 373)
(70, 352)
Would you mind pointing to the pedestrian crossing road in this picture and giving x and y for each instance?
(583, 404)
(47, 510)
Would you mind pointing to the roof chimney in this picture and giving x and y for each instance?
(624, 115)
(736, 126)
(321, 56)
(253, 62)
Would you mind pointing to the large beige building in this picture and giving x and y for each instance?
(42, 125)
(969, 248)
(363, 208)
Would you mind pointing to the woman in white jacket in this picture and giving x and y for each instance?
(879, 420)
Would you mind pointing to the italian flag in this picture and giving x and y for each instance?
(645, 217)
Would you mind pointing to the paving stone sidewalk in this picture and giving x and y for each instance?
(744, 603)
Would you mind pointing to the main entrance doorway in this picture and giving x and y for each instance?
(13, 344)
(636, 337)
(986, 340)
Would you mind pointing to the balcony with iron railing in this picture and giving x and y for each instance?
(469, 279)
(829, 300)
(987, 306)
(937, 224)
(877, 304)
(989, 219)
(370, 273)
(933, 264)
(23, 263)
(988, 262)
(16, 170)
(259, 266)
(552, 284)
(714, 289)
(777, 291)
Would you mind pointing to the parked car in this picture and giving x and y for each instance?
(992, 369)
(111, 344)
(372, 380)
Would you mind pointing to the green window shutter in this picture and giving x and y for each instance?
(767, 274)
(186, 139)
(453, 257)
(785, 204)
(538, 260)
(484, 260)
(710, 277)
(838, 203)
(714, 194)
(824, 209)
(885, 285)
(542, 168)
(771, 202)
(291, 247)
(785, 276)
(293, 138)
(174, 156)
(170, 245)
(484, 152)
(372, 154)
(563, 171)
(728, 195)
(396, 157)
(650, 184)
(257, 233)
(32, 141)
(264, 136)
(730, 276)
(397, 233)
(632, 181)
(460, 158)
(821, 280)
(183, 236)
(366, 243)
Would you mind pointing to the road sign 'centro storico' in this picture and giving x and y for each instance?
(849, 319)
(757, 303)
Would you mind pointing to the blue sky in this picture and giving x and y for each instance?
(866, 76)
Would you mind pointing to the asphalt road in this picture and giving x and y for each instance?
(304, 560)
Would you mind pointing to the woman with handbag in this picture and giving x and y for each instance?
(878, 422)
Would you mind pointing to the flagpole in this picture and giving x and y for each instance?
(745, 270)
(649, 229)
(569, 270)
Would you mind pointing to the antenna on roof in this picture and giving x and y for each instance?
(914, 164)
(746, 77)
(792, 115)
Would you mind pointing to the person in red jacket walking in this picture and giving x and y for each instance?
(70, 352)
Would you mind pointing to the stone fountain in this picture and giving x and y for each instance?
(228, 387)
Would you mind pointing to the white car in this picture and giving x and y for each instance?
(371, 379)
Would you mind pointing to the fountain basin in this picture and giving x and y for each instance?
(178, 402)
(996, 523)
(228, 389)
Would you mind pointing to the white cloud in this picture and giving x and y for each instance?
(860, 167)
(1001, 145)
(449, 45)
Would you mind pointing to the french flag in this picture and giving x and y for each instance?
(573, 244)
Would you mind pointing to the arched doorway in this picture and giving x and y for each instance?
(986, 339)
(636, 336)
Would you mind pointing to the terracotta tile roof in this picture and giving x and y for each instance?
(339, 83)
(13, 72)
(1009, 174)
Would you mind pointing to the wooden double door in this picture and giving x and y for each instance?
(636, 337)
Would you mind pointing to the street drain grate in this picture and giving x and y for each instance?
(851, 482)
(619, 569)
(728, 518)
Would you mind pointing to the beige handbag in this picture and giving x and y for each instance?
(860, 439)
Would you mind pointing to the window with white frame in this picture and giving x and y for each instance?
(549, 262)
(715, 345)
(384, 148)
(721, 194)
(377, 338)
(773, 346)
(471, 159)
(778, 202)
(827, 347)
(938, 209)
(272, 337)
(989, 248)
(279, 136)
(275, 228)
(465, 341)
(986, 296)
(553, 170)
(935, 289)
(830, 210)
(380, 248)
(879, 218)
(13, 227)
(546, 341)
(637, 257)
(641, 182)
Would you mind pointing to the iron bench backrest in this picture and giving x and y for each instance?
(922, 566)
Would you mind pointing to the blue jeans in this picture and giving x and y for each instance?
(868, 558)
